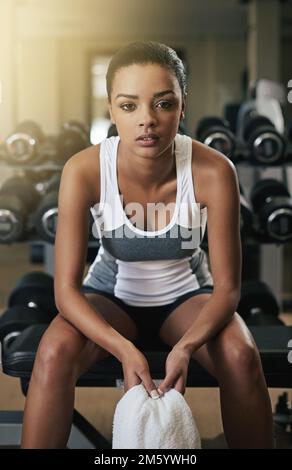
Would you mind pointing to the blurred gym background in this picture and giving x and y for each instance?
(53, 60)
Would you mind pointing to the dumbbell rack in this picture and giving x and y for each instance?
(271, 253)
(8, 171)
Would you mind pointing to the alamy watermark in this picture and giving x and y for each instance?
(186, 225)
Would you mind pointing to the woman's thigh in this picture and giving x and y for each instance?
(63, 340)
(234, 333)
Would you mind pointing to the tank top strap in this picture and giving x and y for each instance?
(108, 148)
(189, 210)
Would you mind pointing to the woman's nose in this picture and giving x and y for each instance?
(147, 117)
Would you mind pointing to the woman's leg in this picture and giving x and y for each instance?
(63, 355)
(233, 359)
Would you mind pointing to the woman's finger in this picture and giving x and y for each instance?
(150, 385)
(130, 382)
(180, 385)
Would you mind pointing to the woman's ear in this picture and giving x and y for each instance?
(183, 109)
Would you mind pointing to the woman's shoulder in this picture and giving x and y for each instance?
(86, 164)
(208, 165)
(208, 159)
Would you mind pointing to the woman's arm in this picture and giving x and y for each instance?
(76, 196)
(222, 199)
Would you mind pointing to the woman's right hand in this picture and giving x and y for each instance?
(136, 370)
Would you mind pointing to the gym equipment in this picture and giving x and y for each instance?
(267, 146)
(72, 138)
(283, 412)
(49, 149)
(288, 135)
(271, 201)
(42, 178)
(263, 319)
(18, 359)
(78, 126)
(53, 182)
(46, 214)
(22, 147)
(257, 301)
(35, 289)
(18, 198)
(36, 254)
(289, 132)
(14, 320)
(112, 131)
(230, 114)
(216, 133)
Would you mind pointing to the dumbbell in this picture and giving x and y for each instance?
(230, 113)
(112, 131)
(283, 412)
(18, 198)
(258, 305)
(49, 149)
(265, 143)
(78, 126)
(41, 178)
(22, 147)
(34, 289)
(72, 138)
(30, 302)
(46, 215)
(215, 132)
(14, 320)
(272, 203)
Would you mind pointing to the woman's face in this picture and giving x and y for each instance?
(146, 99)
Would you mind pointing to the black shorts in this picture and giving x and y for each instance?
(149, 319)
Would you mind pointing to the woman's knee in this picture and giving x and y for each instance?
(244, 360)
(237, 356)
(58, 353)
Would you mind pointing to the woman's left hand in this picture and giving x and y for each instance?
(176, 368)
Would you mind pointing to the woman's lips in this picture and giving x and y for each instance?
(147, 141)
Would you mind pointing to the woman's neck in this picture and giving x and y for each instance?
(149, 173)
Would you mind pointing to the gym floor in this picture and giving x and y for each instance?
(204, 403)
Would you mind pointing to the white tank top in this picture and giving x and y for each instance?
(141, 267)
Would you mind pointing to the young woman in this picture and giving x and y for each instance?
(148, 279)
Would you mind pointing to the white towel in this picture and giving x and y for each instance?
(141, 422)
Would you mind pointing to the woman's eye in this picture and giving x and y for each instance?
(127, 106)
(131, 106)
(165, 104)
